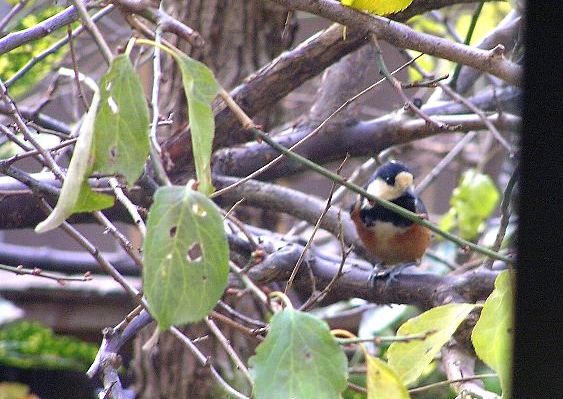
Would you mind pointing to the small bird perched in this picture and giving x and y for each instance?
(391, 238)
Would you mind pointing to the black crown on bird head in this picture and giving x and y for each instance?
(389, 170)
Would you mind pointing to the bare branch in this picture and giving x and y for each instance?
(402, 36)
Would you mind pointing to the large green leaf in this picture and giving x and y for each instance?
(493, 334)
(113, 139)
(201, 88)
(437, 325)
(185, 256)
(298, 359)
(382, 381)
(121, 129)
(76, 195)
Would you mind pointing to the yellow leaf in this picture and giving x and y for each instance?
(382, 381)
(379, 7)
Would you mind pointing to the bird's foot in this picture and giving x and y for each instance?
(388, 274)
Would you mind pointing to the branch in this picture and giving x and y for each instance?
(267, 86)
(420, 289)
(403, 36)
(42, 29)
(506, 34)
(292, 202)
(338, 139)
(458, 364)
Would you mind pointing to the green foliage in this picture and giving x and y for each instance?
(472, 202)
(492, 336)
(19, 56)
(437, 325)
(31, 345)
(491, 14)
(76, 195)
(186, 256)
(298, 359)
(201, 88)
(383, 382)
(113, 139)
(121, 129)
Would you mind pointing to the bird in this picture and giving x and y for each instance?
(392, 239)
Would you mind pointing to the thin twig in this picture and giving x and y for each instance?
(381, 339)
(55, 47)
(248, 283)
(242, 229)
(358, 177)
(467, 40)
(155, 152)
(252, 333)
(129, 205)
(229, 349)
(75, 69)
(240, 316)
(312, 236)
(452, 381)
(93, 29)
(47, 159)
(399, 87)
(458, 97)
(505, 215)
(17, 157)
(8, 17)
(20, 270)
(444, 162)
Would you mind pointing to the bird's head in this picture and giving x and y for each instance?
(389, 182)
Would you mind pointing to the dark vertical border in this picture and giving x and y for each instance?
(538, 366)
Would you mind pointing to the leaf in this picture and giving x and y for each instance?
(201, 88)
(382, 382)
(492, 336)
(185, 256)
(298, 359)
(379, 7)
(409, 359)
(113, 139)
(472, 202)
(121, 129)
(75, 189)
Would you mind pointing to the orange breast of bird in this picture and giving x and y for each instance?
(391, 244)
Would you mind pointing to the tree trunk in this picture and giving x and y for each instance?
(240, 36)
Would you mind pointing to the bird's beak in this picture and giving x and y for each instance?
(403, 180)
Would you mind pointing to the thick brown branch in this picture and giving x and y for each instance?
(402, 36)
(339, 139)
